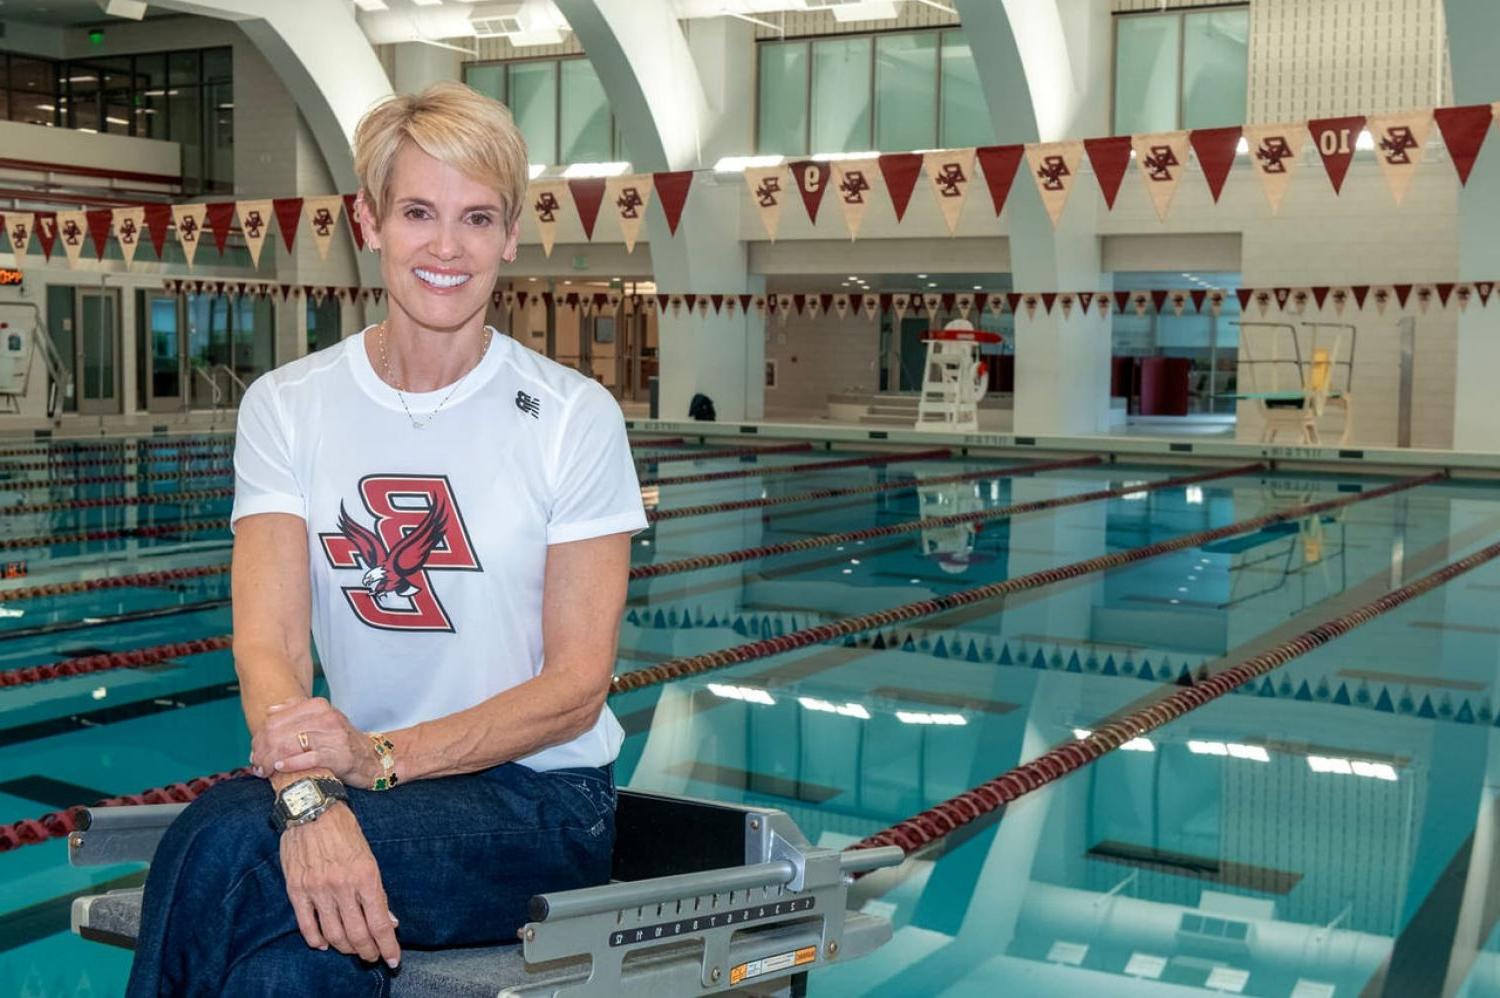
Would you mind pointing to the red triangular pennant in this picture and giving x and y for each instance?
(1335, 138)
(218, 217)
(672, 192)
(745, 303)
(1464, 130)
(825, 301)
(588, 195)
(1214, 148)
(46, 231)
(1198, 296)
(1048, 298)
(1110, 158)
(1320, 293)
(1085, 299)
(158, 220)
(288, 215)
(999, 164)
(662, 300)
(1359, 291)
(1283, 295)
(354, 226)
(1443, 292)
(1122, 301)
(1158, 299)
(799, 302)
(1484, 288)
(1403, 292)
(811, 178)
(1244, 295)
(1013, 298)
(900, 171)
(718, 301)
(98, 223)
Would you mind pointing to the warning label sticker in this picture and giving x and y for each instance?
(771, 964)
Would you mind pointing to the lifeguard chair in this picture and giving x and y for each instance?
(955, 377)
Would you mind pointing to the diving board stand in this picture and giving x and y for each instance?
(1292, 387)
(705, 897)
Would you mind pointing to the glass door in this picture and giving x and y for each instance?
(98, 344)
(159, 353)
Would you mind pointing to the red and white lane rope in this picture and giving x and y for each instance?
(84, 536)
(112, 582)
(101, 502)
(58, 824)
(679, 512)
(766, 647)
(219, 456)
(134, 658)
(811, 466)
(697, 562)
(943, 819)
(61, 447)
(709, 455)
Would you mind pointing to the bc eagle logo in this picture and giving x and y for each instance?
(418, 531)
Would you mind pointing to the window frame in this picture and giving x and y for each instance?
(555, 157)
(1180, 13)
(940, 31)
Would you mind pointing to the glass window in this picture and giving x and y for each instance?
(585, 114)
(219, 147)
(185, 116)
(1146, 80)
(840, 119)
(966, 113)
(151, 70)
(533, 101)
(32, 74)
(906, 91)
(323, 328)
(1215, 55)
(488, 80)
(783, 98)
(32, 108)
(182, 68)
(218, 65)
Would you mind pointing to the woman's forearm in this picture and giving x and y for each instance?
(544, 711)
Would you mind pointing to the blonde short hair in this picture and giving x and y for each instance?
(452, 123)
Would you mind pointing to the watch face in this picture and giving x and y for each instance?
(301, 797)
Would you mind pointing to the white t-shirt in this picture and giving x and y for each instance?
(427, 547)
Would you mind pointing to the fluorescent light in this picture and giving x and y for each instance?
(1255, 753)
(116, 121)
(1242, 147)
(1364, 140)
(749, 694)
(1194, 495)
(1134, 496)
(739, 164)
(1208, 748)
(535, 170)
(596, 169)
(1375, 770)
(844, 710)
(853, 710)
(426, 3)
(919, 717)
(1329, 764)
(1082, 733)
(1139, 745)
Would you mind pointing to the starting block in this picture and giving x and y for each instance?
(705, 897)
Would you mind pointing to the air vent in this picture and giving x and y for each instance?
(496, 27)
(1211, 928)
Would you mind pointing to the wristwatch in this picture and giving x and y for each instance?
(305, 800)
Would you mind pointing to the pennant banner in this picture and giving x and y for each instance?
(1335, 138)
(18, 231)
(71, 229)
(1464, 129)
(999, 164)
(767, 186)
(629, 196)
(545, 197)
(1399, 141)
(672, 191)
(255, 222)
(1110, 158)
(1162, 158)
(1214, 149)
(900, 172)
(851, 180)
(1054, 167)
(811, 178)
(189, 220)
(322, 215)
(950, 173)
(1274, 152)
(129, 225)
(588, 195)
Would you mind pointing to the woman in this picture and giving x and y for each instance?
(449, 514)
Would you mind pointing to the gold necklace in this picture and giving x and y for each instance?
(385, 363)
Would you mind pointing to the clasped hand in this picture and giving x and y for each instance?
(332, 743)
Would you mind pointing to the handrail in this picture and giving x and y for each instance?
(232, 376)
(202, 371)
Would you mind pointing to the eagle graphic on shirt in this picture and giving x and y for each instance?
(392, 571)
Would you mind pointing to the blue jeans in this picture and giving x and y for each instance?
(459, 858)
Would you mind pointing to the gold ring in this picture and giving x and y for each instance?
(302, 740)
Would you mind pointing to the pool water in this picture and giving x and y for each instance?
(1328, 830)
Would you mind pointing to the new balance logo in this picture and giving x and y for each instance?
(530, 406)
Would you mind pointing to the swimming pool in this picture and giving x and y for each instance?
(1326, 830)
